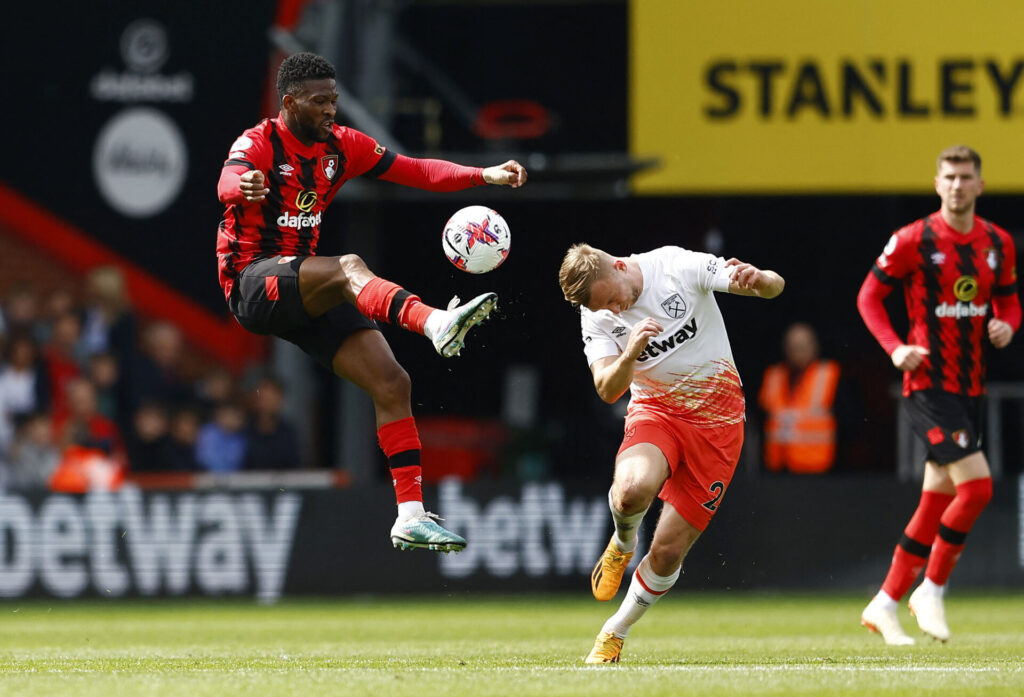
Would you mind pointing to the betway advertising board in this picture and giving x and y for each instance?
(809, 96)
(539, 537)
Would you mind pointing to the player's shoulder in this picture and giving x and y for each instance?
(913, 230)
(997, 229)
(252, 137)
(350, 137)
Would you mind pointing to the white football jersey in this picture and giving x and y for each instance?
(688, 370)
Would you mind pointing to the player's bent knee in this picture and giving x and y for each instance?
(393, 388)
(975, 494)
(631, 496)
(351, 264)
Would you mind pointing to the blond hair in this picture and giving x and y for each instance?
(581, 267)
(959, 153)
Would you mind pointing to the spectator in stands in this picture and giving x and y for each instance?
(108, 325)
(20, 310)
(34, 455)
(222, 444)
(84, 426)
(148, 440)
(61, 361)
(217, 385)
(156, 373)
(273, 442)
(798, 397)
(105, 373)
(184, 435)
(23, 387)
(59, 303)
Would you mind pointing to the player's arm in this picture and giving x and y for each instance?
(242, 179)
(612, 374)
(238, 184)
(747, 279)
(872, 310)
(1005, 301)
(442, 176)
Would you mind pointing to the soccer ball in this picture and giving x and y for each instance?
(476, 239)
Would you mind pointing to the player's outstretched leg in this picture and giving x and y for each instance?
(607, 574)
(607, 649)
(880, 617)
(927, 606)
(385, 301)
(448, 331)
(421, 531)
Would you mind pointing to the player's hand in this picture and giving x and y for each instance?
(253, 185)
(999, 333)
(748, 279)
(509, 174)
(642, 333)
(909, 357)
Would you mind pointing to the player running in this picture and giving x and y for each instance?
(954, 267)
(651, 325)
(278, 179)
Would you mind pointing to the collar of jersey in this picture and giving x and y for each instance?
(290, 140)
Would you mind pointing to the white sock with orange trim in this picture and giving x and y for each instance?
(644, 590)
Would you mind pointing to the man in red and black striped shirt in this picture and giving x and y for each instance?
(278, 179)
(959, 277)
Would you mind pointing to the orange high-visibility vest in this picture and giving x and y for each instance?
(800, 430)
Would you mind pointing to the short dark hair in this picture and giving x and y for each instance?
(960, 153)
(299, 67)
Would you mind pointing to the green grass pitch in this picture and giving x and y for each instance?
(689, 644)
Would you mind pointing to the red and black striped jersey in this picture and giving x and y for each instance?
(949, 280)
(302, 180)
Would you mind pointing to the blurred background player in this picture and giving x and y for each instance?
(798, 396)
(651, 325)
(278, 179)
(954, 267)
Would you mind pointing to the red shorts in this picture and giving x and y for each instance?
(702, 461)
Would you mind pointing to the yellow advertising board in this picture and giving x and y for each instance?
(822, 96)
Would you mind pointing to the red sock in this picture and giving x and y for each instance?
(400, 442)
(389, 302)
(957, 521)
(913, 549)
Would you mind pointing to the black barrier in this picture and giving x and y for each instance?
(786, 532)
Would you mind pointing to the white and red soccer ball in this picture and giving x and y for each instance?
(476, 239)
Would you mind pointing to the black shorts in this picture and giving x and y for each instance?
(266, 300)
(950, 424)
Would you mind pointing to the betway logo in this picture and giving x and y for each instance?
(299, 221)
(539, 534)
(219, 542)
(961, 310)
(655, 347)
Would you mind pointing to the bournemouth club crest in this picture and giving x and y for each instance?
(329, 164)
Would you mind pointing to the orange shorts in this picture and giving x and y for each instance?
(702, 461)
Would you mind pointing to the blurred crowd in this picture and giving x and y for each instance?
(81, 375)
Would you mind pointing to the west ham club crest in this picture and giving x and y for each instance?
(329, 164)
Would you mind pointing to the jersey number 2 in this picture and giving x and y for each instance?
(718, 488)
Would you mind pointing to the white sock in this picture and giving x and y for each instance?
(638, 598)
(625, 526)
(408, 509)
(930, 586)
(435, 323)
(885, 600)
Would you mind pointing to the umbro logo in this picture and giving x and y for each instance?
(286, 169)
(938, 258)
(618, 331)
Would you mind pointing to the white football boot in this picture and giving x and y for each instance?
(458, 320)
(882, 619)
(422, 532)
(927, 606)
